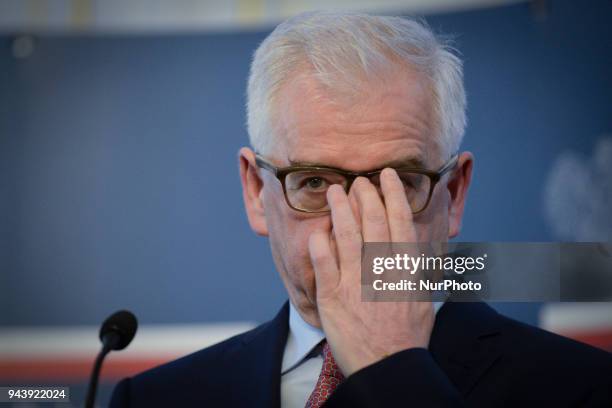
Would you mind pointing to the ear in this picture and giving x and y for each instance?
(252, 191)
(458, 187)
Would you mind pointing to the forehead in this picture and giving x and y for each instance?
(387, 121)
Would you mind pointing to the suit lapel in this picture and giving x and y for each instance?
(466, 341)
(257, 363)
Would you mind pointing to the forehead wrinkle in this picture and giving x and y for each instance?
(314, 130)
(355, 132)
(348, 127)
(379, 134)
(381, 142)
(351, 159)
(323, 108)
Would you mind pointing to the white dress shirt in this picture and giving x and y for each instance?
(302, 360)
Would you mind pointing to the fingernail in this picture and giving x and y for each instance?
(361, 179)
(334, 187)
(388, 173)
(315, 234)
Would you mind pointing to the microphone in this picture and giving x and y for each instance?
(116, 333)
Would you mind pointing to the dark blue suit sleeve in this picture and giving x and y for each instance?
(121, 395)
(601, 395)
(388, 383)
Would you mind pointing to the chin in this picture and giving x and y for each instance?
(306, 302)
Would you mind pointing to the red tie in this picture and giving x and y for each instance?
(329, 379)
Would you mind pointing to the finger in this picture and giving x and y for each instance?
(373, 214)
(399, 213)
(346, 229)
(327, 275)
(354, 204)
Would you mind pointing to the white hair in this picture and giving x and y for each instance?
(342, 49)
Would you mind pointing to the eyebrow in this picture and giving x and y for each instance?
(412, 162)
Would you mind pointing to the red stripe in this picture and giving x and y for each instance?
(596, 338)
(75, 371)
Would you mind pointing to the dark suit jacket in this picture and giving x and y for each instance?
(476, 357)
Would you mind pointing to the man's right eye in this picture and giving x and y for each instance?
(315, 184)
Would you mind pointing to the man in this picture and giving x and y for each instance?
(332, 96)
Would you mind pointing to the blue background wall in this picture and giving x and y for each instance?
(119, 181)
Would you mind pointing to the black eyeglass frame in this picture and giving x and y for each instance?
(281, 174)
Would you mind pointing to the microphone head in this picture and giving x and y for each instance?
(124, 324)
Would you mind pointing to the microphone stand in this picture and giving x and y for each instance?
(109, 342)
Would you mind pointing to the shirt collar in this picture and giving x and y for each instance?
(303, 338)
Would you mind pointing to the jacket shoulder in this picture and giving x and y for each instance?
(199, 372)
(534, 358)
(541, 345)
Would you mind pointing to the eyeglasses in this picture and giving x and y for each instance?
(305, 187)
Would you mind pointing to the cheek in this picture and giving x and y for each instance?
(289, 231)
(432, 224)
(294, 233)
(286, 226)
